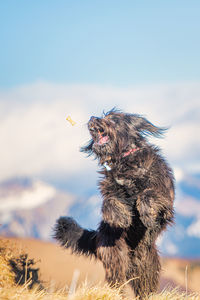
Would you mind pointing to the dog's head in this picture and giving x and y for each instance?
(115, 133)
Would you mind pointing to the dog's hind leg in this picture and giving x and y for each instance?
(145, 271)
(71, 235)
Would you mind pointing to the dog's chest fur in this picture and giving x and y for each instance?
(127, 179)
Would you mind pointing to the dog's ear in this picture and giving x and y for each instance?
(144, 127)
(87, 148)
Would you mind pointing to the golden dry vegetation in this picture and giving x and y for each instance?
(57, 270)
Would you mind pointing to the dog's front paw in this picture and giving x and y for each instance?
(116, 213)
(147, 216)
(147, 210)
(65, 231)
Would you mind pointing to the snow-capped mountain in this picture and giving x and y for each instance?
(183, 238)
(29, 208)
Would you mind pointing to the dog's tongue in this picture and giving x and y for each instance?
(103, 140)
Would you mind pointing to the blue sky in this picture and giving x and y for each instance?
(99, 42)
(80, 57)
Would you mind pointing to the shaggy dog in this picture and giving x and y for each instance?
(137, 187)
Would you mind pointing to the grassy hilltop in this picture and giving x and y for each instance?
(20, 279)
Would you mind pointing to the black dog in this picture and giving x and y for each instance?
(138, 192)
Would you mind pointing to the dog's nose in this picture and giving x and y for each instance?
(92, 119)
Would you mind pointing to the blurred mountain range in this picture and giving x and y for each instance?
(29, 208)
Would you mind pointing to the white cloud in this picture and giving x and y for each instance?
(36, 139)
(178, 174)
(95, 203)
(159, 241)
(171, 248)
(94, 200)
(194, 229)
(187, 206)
(25, 197)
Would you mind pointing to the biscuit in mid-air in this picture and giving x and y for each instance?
(70, 120)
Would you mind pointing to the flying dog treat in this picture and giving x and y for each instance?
(70, 120)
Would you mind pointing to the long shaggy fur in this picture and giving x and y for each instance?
(137, 187)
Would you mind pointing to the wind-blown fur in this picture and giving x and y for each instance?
(137, 187)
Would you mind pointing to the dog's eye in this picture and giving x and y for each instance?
(101, 130)
(112, 120)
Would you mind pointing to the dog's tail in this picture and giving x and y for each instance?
(71, 235)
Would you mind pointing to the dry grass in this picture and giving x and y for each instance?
(174, 295)
(83, 293)
(26, 290)
(16, 268)
(7, 277)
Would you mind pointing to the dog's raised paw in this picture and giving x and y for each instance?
(66, 230)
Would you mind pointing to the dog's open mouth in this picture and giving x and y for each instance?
(103, 139)
(99, 137)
